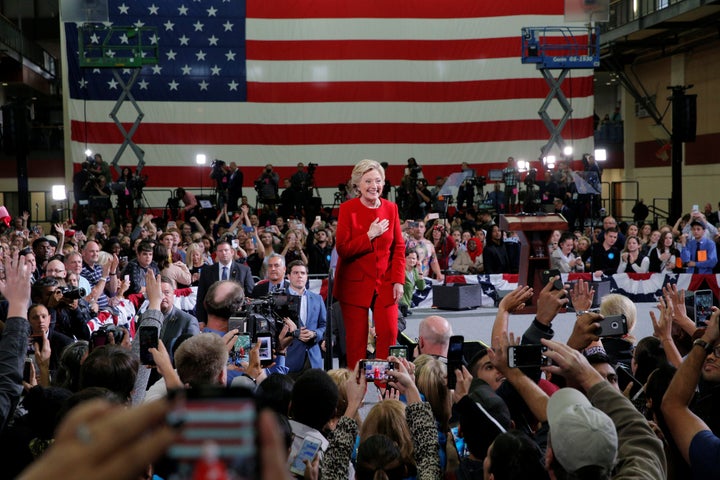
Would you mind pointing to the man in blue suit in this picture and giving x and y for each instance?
(304, 352)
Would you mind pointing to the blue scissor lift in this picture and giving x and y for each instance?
(559, 48)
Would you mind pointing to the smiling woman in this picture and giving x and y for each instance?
(371, 262)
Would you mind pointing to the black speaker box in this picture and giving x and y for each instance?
(684, 117)
(457, 297)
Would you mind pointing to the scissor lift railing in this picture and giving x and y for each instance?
(118, 48)
(559, 48)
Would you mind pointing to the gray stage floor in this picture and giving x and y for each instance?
(477, 324)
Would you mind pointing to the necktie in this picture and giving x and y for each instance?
(224, 274)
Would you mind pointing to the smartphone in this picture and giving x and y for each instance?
(548, 274)
(703, 301)
(433, 216)
(413, 224)
(266, 351)
(235, 244)
(317, 219)
(241, 349)
(38, 340)
(99, 225)
(27, 370)
(377, 370)
(248, 229)
(98, 338)
(148, 339)
(527, 356)
(455, 359)
(695, 209)
(613, 326)
(214, 420)
(399, 351)
(236, 323)
(171, 224)
(308, 450)
(625, 376)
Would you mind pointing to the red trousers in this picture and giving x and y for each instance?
(356, 330)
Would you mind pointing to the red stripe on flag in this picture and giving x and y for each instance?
(464, 49)
(404, 9)
(383, 49)
(506, 89)
(326, 134)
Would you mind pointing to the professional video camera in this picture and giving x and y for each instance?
(265, 314)
(136, 185)
(217, 170)
(341, 194)
(73, 293)
(479, 181)
(531, 177)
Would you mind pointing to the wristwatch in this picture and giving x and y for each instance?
(704, 345)
(583, 312)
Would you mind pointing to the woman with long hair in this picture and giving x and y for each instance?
(663, 256)
(443, 243)
(632, 259)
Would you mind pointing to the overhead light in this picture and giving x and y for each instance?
(522, 165)
(568, 150)
(600, 155)
(88, 152)
(58, 192)
(200, 159)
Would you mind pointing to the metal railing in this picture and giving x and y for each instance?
(13, 38)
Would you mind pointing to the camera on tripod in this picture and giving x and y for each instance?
(479, 181)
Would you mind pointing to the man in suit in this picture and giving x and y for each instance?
(175, 321)
(275, 282)
(304, 352)
(224, 268)
(235, 185)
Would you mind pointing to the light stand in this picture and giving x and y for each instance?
(200, 159)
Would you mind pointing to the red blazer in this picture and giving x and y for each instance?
(366, 267)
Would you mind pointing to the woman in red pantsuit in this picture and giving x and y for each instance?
(371, 263)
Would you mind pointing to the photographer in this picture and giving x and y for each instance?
(190, 204)
(267, 186)
(221, 174)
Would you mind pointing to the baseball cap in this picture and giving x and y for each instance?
(580, 434)
(483, 415)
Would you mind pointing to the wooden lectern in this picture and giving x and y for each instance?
(534, 231)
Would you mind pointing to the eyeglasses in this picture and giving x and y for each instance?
(716, 351)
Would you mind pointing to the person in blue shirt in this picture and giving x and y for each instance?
(698, 255)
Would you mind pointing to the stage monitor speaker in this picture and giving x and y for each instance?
(684, 118)
(457, 296)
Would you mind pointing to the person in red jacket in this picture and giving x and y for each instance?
(371, 263)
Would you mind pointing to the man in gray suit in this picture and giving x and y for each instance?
(175, 321)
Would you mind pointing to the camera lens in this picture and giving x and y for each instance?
(615, 325)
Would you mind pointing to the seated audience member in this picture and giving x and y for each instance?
(563, 258)
(413, 281)
(632, 260)
(663, 257)
(605, 255)
(699, 446)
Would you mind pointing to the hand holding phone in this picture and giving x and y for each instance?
(148, 337)
(527, 356)
(455, 359)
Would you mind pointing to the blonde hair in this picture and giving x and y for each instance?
(340, 376)
(431, 380)
(388, 418)
(616, 304)
(363, 167)
(104, 258)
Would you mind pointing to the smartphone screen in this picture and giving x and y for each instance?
(399, 351)
(455, 359)
(148, 339)
(625, 376)
(215, 420)
(98, 338)
(27, 370)
(703, 307)
(377, 370)
(433, 216)
(266, 354)
(236, 323)
(307, 451)
(241, 349)
(527, 356)
(612, 326)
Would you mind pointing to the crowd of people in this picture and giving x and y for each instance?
(81, 395)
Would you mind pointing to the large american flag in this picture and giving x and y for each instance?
(328, 82)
